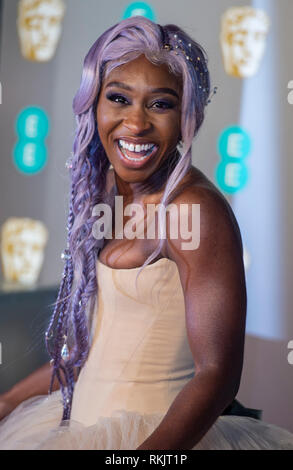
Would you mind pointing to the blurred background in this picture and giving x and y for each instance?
(244, 147)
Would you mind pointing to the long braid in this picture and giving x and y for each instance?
(88, 168)
(88, 282)
(62, 301)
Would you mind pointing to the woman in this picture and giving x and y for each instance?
(167, 318)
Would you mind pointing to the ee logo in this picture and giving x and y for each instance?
(234, 146)
(30, 152)
(139, 9)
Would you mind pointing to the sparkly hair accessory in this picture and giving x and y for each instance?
(200, 67)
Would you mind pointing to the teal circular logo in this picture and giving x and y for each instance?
(234, 143)
(231, 176)
(32, 123)
(30, 157)
(30, 152)
(139, 9)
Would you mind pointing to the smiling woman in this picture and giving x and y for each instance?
(139, 105)
(153, 364)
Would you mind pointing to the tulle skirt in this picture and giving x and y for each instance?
(35, 425)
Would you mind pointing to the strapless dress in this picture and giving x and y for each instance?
(139, 360)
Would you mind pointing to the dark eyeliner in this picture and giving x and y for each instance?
(112, 96)
(166, 104)
(163, 104)
(169, 104)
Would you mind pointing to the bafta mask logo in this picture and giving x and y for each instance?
(22, 250)
(39, 28)
(243, 40)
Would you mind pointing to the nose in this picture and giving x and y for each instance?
(137, 121)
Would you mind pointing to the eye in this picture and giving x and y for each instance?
(163, 105)
(116, 98)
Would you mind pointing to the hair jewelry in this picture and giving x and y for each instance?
(200, 68)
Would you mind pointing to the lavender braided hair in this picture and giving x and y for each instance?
(78, 291)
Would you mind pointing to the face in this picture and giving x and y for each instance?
(245, 47)
(40, 29)
(138, 116)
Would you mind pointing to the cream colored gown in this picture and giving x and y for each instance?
(139, 361)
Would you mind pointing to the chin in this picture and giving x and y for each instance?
(132, 175)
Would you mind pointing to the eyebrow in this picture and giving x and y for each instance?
(170, 91)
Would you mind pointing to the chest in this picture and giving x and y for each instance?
(132, 241)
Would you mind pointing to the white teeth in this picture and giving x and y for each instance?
(135, 148)
(136, 159)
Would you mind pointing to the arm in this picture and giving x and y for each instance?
(37, 383)
(213, 282)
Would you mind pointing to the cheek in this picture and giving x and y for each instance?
(104, 122)
(171, 129)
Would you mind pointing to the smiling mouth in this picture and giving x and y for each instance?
(137, 156)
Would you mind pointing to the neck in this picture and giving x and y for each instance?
(155, 182)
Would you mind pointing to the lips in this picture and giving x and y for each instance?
(135, 159)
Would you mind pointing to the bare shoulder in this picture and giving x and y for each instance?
(217, 218)
(197, 186)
